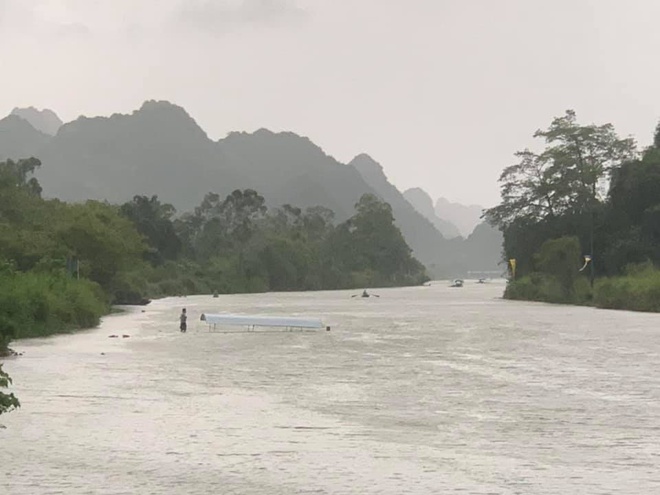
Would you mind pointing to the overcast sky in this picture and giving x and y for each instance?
(440, 92)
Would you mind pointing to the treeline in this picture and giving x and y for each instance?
(62, 265)
(581, 218)
(236, 245)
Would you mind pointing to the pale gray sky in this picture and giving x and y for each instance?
(441, 92)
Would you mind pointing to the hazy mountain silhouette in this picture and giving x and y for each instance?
(19, 139)
(160, 150)
(44, 120)
(466, 218)
(438, 253)
(423, 203)
(287, 168)
(483, 249)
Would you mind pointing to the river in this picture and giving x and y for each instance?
(424, 390)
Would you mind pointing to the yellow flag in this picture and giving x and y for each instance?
(512, 264)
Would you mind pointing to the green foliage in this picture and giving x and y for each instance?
(565, 177)
(37, 304)
(17, 175)
(557, 194)
(104, 242)
(242, 247)
(631, 224)
(560, 260)
(8, 402)
(557, 279)
(372, 249)
(545, 288)
(153, 220)
(638, 290)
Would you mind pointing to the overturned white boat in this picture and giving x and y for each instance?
(289, 322)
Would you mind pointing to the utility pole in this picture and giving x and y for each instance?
(592, 275)
(591, 242)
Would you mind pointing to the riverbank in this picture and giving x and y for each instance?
(638, 290)
(44, 304)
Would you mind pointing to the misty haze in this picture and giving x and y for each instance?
(305, 246)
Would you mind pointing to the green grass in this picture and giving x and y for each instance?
(546, 288)
(637, 290)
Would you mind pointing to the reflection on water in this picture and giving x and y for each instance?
(423, 390)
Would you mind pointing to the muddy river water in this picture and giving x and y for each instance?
(422, 390)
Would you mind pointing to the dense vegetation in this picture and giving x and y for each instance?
(62, 265)
(582, 218)
(236, 245)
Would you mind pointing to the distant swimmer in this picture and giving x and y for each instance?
(183, 318)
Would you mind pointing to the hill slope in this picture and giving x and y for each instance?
(45, 121)
(18, 139)
(423, 203)
(466, 218)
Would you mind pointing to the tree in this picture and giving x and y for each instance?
(632, 217)
(8, 402)
(7, 331)
(560, 258)
(105, 242)
(370, 242)
(223, 226)
(153, 220)
(318, 221)
(566, 177)
(18, 175)
(239, 211)
(559, 191)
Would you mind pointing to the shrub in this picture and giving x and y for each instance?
(39, 304)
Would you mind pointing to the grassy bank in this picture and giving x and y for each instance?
(41, 304)
(638, 290)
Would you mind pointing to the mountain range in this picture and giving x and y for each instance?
(423, 203)
(160, 150)
(45, 120)
(464, 217)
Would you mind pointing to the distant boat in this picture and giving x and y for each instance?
(457, 283)
(365, 294)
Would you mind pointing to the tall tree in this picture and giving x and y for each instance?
(20, 174)
(566, 177)
(153, 220)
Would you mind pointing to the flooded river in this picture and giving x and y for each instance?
(426, 390)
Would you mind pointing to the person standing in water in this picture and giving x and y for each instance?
(183, 318)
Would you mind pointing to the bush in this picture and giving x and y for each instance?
(638, 290)
(546, 288)
(40, 304)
